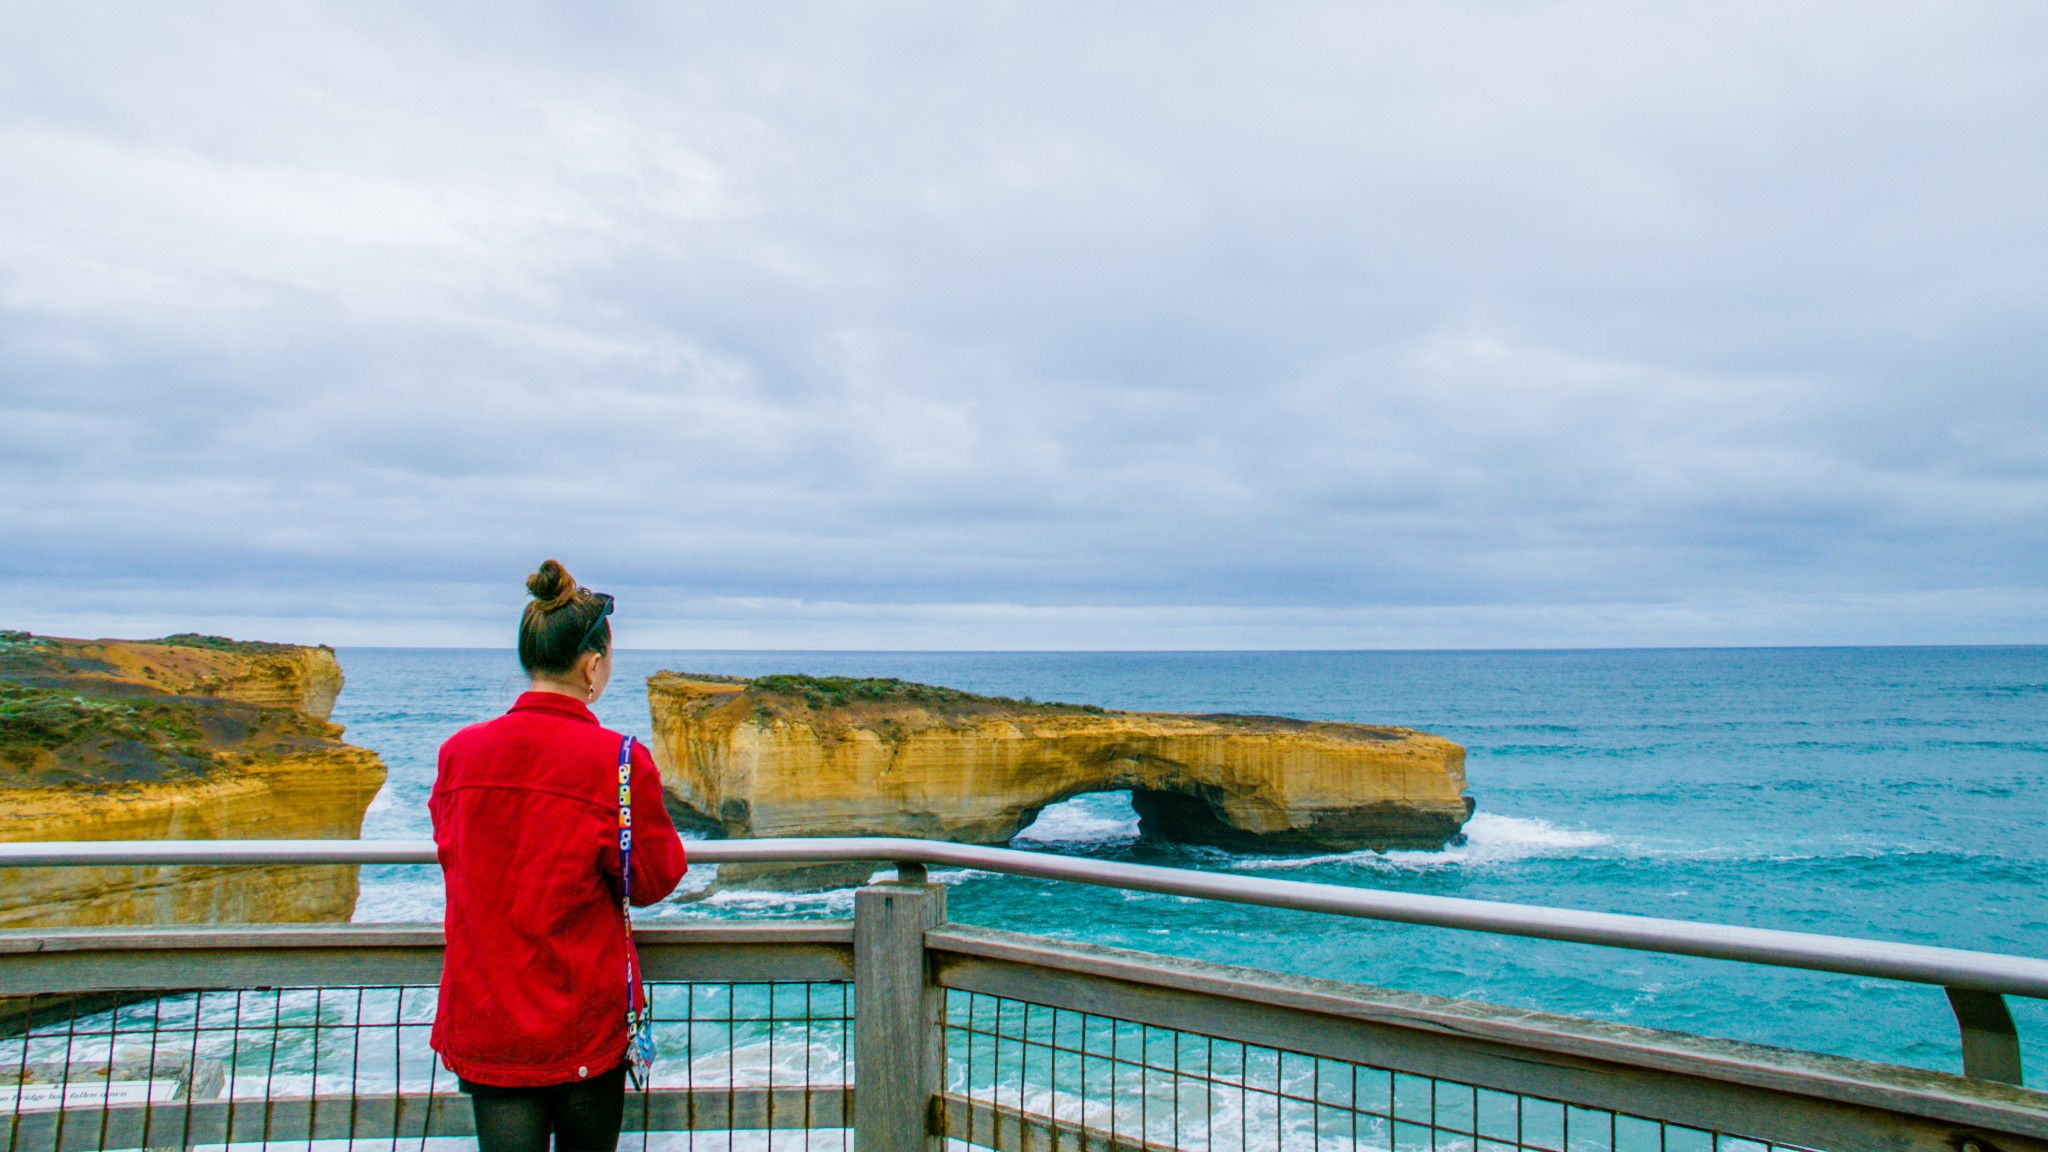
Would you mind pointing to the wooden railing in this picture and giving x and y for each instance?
(994, 1038)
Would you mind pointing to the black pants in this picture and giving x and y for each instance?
(582, 1116)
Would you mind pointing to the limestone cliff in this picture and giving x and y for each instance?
(184, 738)
(798, 756)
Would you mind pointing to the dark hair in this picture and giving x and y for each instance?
(564, 621)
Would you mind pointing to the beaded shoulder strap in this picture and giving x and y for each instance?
(626, 867)
(639, 1031)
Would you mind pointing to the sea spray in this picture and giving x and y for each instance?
(1098, 818)
(1491, 838)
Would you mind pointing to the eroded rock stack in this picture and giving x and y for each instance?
(184, 738)
(803, 756)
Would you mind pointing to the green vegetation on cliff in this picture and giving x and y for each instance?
(69, 718)
(782, 692)
(51, 737)
(186, 737)
(220, 643)
(47, 718)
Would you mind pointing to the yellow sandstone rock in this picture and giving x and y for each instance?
(186, 738)
(798, 756)
(304, 680)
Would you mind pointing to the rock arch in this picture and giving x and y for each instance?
(799, 756)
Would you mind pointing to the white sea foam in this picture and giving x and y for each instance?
(421, 900)
(404, 901)
(1231, 1101)
(839, 900)
(949, 877)
(1098, 818)
(1490, 838)
(359, 1144)
(755, 1062)
(755, 1140)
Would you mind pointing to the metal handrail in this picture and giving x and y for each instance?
(1953, 968)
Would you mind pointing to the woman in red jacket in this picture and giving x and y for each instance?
(532, 1015)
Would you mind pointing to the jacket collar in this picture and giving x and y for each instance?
(554, 703)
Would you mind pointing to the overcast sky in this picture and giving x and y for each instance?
(901, 325)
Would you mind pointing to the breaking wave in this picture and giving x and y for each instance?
(1099, 818)
(1490, 838)
(400, 896)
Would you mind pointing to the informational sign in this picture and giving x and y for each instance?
(91, 1094)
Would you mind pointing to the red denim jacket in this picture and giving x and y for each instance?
(526, 820)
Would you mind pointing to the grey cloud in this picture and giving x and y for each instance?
(1538, 321)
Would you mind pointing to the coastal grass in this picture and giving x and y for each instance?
(70, 717)
(42, 728)
(219, 643)
(829, 692)
(51, 718)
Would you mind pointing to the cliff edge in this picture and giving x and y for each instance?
(184, 738)
(805, 756)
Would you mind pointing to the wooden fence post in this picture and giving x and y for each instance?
(899, 1054)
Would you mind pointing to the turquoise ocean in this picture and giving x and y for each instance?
(1896, 793)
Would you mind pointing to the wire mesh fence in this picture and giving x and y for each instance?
(1039, 1077)
(749, 1066)
(217, 1067)
(760, 1065)
(743, 1067)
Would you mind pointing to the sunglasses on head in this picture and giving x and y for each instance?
(605, 600)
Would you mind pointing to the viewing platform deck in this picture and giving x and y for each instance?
(900, 1030)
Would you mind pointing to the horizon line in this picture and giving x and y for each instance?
(1220, 651)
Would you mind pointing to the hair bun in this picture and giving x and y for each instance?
(552, 585)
